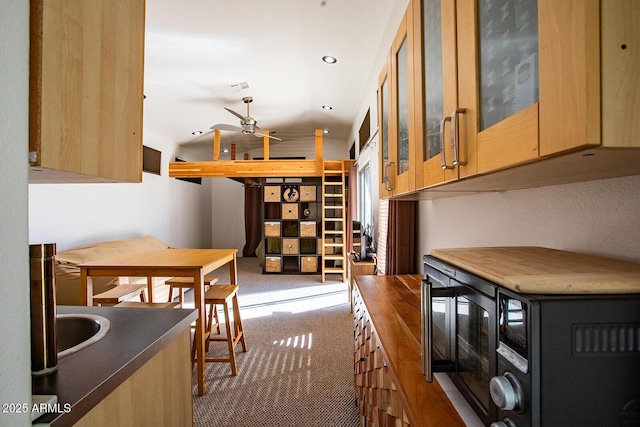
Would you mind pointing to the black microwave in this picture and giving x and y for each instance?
(525, 360)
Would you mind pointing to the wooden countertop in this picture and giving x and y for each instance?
(84, 378)
(393, 304)
(537, 270)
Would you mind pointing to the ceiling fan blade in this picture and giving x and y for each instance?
(226, 127)
(241, 117)
(262, 135)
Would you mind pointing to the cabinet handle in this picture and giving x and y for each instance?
(389, 176)
(425, 320)
(454, 136)
(443, 159)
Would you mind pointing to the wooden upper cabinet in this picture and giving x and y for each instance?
(516, 82)
(86, 90)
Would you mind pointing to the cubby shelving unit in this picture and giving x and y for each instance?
(292, 227)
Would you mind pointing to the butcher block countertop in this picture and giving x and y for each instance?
(537, 270)
(393, 304)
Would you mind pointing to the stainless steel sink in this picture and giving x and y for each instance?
(77, 331)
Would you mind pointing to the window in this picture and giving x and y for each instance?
(364, 204)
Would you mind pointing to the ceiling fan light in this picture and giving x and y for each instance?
(329, 59)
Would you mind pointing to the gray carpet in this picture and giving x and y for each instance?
(298, 370)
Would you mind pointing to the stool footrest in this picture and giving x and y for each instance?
(119, 294)
(187, 282)
(135, 304)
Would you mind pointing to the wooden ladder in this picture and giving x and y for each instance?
(333, 219)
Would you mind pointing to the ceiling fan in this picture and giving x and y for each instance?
(248, 124)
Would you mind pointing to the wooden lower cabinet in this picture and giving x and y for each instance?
(379, 402)
(157, 394)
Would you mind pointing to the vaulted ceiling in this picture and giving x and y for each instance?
(203, 55)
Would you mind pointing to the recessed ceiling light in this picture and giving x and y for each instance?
(196, 132)
(327, 107)
(325, 131)
(329, 59)
(225, 150)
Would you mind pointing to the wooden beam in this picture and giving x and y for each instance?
(243, 169)
(265, 140)
(319, 160)
(233, 151)
(216, 144)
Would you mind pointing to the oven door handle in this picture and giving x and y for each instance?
(429, 366)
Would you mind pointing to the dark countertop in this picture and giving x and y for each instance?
(393, 304)
(84, 378)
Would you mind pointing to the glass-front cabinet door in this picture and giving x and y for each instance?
(437, 74)
(498, 82)
(384, 102)
(397, 116)
(403, 119)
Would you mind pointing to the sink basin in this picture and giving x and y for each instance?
(77, 331)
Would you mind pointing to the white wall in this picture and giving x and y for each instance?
(15, 375)
(174, 211)
(598, 217)
(228, 214)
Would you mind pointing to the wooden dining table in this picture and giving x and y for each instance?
(195, 263)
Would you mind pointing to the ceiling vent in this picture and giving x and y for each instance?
(240, 86)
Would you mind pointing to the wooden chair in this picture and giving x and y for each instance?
(119, 294)
(183, 283)
(224, 295)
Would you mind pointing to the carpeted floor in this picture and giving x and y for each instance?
(298, 370)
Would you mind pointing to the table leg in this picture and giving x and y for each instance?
(233, 270)
(198, 287)
(86, 288)
(150, 288)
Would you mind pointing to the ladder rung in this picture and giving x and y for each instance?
(334, 270)
(334, 257)
(333, 232)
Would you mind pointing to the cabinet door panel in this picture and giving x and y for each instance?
(498, 84)
(86, 90)
(436, 20)
(569, 75)
(402, 133)
(384, 110)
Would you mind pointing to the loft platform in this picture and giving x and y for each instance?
(251, 169)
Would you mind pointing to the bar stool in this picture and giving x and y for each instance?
(224, 295)
(183, 283)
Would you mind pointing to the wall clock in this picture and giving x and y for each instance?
(291, 194)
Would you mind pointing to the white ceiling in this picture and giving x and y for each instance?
(195, 50)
